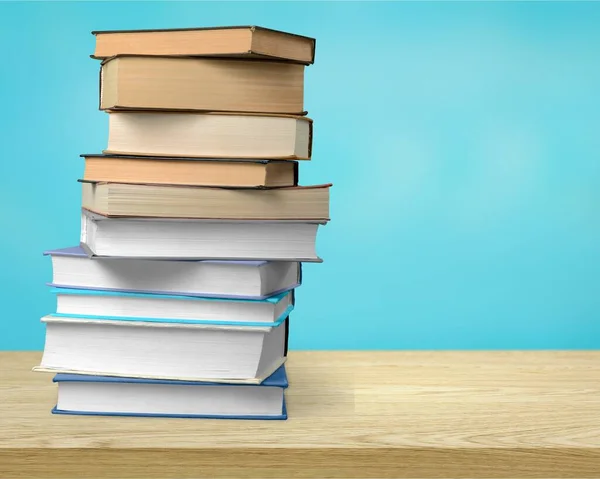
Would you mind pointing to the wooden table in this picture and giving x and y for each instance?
(352, 414)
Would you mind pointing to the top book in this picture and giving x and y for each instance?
(242, 42)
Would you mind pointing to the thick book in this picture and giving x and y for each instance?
(73, 268)
(151, 307)
(201, 84)
(167, 349)
(234, 41)
(190, 171)
(209, 135)
(169, 201)
(199, 239)
(80, 394)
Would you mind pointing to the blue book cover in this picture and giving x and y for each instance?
(91, 292)
(282, 417)
(86, 292)
(79, 252)
(277, 379)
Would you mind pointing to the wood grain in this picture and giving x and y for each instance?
(352, 415)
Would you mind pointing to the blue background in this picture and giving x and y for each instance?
(462, 139)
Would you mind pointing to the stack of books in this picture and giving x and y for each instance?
(193, 229)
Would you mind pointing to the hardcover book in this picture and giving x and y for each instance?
(148, 307)
(112, 396)
(163, 349)
(201, 84)
(232, 173)
(199, 239)
(73, 268)
(209, 135)
(166, 201)
(237, 42)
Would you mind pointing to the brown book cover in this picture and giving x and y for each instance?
(249, 42)
(201, 84)
(230, 173)
(113, 200)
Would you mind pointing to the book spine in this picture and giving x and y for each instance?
(287, 322)
(287, 335)
(295, 173)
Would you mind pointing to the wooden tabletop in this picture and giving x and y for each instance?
(351, 415)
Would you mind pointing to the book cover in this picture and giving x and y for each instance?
(79, 252)
(277, 379)
(88, 292)
(282, 417)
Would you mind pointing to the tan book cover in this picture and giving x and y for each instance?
(160, 201)
(209, 135)
(189, 171)
(234, 41)
(201, 84)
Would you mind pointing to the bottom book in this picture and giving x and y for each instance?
(80, 394)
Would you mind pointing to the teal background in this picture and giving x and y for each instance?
(462, 139)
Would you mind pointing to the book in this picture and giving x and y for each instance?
(120, 305)
(238, 41)
(203, 84)
(166, 349)
(73, 268)
(190, 171)
(209, 135)
(167, 201)
(80, 394)
(199, 239)
(177, 301)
